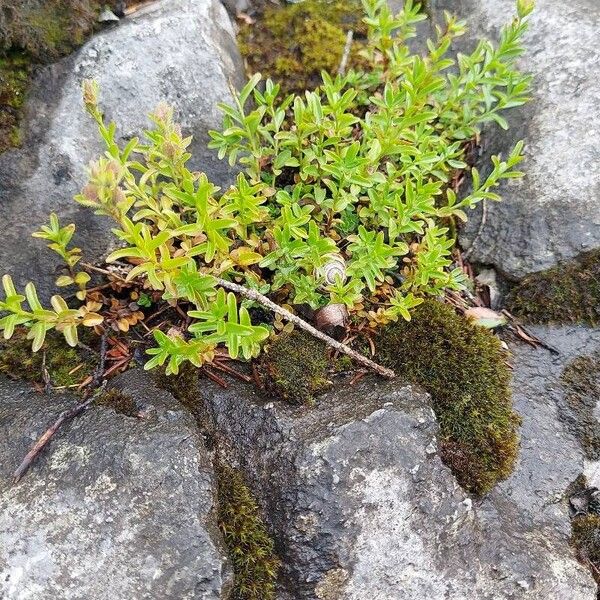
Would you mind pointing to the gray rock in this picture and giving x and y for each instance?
(554, 213)
(117, 507)
(361, 506)
(179, 51)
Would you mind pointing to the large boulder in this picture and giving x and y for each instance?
(362, 508)
(118, 506)
(554, 212)
(179, 51)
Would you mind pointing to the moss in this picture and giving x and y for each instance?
(567, 293)
(48, 29)
(119, 402)
(15, 69)
(581, 380)
(585, 538)
(294, 43)
(463, 367)
(35, 31)
(250, 547)
(294, 367)
(62, 362)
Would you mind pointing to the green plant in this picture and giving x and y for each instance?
(345, 194)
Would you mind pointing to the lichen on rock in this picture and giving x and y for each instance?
(464, 368)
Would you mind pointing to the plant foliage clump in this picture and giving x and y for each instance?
(251, 549)
(356, 174)
(463, 367)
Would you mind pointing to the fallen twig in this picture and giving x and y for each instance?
(47, 435)
(288, 316)
(66, 415)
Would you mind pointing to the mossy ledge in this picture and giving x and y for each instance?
(294, 367)
(464, 368)
(567, 293)
(66, 366)
(251, 549)
(294, 43)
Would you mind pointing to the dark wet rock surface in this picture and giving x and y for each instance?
(362, 507)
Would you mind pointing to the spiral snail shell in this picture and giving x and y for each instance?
(334, 268)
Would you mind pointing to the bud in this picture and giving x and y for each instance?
(90, 93)
(525, 8)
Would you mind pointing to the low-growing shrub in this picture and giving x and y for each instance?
(344, 197)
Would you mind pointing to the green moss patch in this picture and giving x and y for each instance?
(294, 43)
(463, 367)
(66, 366)
(250, 547)
(581, 380)
(36, 31)
(294, 367)
(567, 293)
(585, 538)
(15, 69)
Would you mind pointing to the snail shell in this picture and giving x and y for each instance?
(335, 267)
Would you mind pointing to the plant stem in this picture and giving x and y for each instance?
(292, 318)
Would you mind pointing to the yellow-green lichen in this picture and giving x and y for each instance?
(567, 293)
(294, 367)
(250, 547)
(65, 366)
(292, 44)
(463, 367)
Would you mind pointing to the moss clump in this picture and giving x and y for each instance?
(294, 43)
(585, 538)
(294, 367)
(47, 29)
(119, 402)
(463, 367)
(66, 366)
(15, 68)
(581, 379)
(35, 31)
(567, 293)
(251, 549)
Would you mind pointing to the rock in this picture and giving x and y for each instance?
(554, 212)
(361, 506)
(116, 507)
(179, 51)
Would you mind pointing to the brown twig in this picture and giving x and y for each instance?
(65, 415)
(227, 369)
(288, 316)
